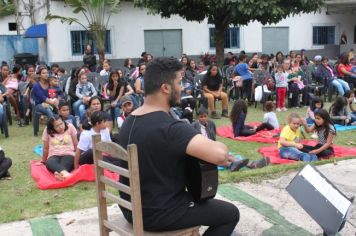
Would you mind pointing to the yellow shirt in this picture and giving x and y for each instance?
(289, 135)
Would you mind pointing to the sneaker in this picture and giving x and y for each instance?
(278, 109)
(259, 163)
(225, 114)
(215, 115)
(238, 164)
(284, 109)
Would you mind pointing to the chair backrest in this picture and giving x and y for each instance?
(132, 173)
(260, 76)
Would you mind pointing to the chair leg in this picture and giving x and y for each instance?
(35, 123)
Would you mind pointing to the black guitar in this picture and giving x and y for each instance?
(201, 179)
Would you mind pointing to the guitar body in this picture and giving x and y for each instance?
(201, 179)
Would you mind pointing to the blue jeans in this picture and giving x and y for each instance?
(1, 114)
(293, 153)
(116, 111)
(353, 116)
(341, 86)
(79, 109)
(45, 111)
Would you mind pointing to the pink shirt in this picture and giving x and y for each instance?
(61, 144)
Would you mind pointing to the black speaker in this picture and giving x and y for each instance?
(12, 26)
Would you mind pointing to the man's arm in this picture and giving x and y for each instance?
(213, 151)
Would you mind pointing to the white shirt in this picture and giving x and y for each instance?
(85, 141)
(271, 118)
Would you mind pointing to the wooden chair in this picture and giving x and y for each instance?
(121, 226)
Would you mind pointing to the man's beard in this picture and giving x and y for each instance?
(174, 99)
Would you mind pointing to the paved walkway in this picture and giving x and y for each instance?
(266, 209)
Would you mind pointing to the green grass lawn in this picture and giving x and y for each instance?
(20, 198)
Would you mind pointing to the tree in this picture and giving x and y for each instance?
(97, 14)
(222, 13)
(7, 7)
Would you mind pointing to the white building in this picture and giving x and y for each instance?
(132, 31)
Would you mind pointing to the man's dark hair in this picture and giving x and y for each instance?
(161, 70)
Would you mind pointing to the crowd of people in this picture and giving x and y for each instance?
(138, 98)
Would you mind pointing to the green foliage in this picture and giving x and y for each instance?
(7, 8)
(97, 14)
(223, 13)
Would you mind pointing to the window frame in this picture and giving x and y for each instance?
(229, 32)
(84, 40)
(316, 44)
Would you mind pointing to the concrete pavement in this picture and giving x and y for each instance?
(266, 209)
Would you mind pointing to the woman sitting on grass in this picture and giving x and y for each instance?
(59, 144)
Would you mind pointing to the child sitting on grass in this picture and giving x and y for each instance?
(208, 129)
(316, 104)
(270, 120)
(59, 144)
(238, 117)
(84, 152)
(326, 132)
(289, 142)
(339, 113)
(5, 164)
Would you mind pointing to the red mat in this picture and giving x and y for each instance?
(263, 136)
(272, 152)
(45, 179)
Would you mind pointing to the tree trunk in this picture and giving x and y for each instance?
(99, 37)
(220, 43)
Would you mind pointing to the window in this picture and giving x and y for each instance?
(323, 35)
(232, 37)
(81, 38)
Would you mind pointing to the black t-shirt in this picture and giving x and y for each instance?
(213, 83)
(161, 142)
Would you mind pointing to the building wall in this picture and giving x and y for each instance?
(127, 32)
(4, 25)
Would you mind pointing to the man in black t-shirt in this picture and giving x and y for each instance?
(163, 145)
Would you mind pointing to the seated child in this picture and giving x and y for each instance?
(59, 143)
(64, 113)
(84, 152)
(208, 129)
(5, 164)
(54, 90)
(84, 91)
(270, 120)
(339, 113)
(289, 142)
(350, 97)
(316, 104)
(127, 106)
(326, 133)
(238, 116)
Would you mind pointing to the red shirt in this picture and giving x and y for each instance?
(346, 67)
